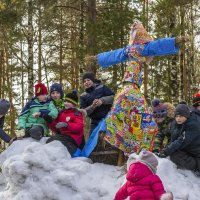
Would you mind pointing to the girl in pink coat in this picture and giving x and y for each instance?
(142, 182)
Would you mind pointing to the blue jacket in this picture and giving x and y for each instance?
(96, 92)
(185, 137)
(6, 138)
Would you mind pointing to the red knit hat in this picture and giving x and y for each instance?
(40, 89)
(196, 100)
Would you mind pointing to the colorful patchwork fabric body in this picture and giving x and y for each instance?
(129, 125)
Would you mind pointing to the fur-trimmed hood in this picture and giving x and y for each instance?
(170, 109)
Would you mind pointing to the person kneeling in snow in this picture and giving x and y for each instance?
(184, 147)
(69, 125)
(142, 183)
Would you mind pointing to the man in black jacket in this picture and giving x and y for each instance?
(96, 100)
(184, 148)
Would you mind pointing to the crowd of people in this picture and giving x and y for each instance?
(168, 131)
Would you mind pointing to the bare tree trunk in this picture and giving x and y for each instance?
(61, 47)
(30, 49)
(22, 76)
(91, 45)
(182, 59)
(145, 14)
(39, 45)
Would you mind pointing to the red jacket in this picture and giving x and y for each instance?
(74, 119)
(141, 184)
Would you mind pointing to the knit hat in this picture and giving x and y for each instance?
(4, 106)
(40, 89)
(72, 97)
(196, 100)
(89, 75)
(159, 110)
(183, 110)
(57, 87)
(149, 159)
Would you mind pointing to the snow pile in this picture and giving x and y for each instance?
(38, 171)
(34, 171)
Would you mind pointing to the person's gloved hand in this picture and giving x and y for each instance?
(162, 154)
(20, 133)
(156, 152)
(61, 125)
(48, 118)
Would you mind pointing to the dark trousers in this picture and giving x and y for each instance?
(36, 132)
(185, 160)
(66, 140)
(93, 125)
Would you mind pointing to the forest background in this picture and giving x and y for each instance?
(48, 40)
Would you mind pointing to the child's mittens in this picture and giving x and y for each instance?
(20, 133)
(167, 196)
(48, 118)
(162, 154)
(61, 125)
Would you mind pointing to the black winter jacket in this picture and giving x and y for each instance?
(97, 91)
(185, 137)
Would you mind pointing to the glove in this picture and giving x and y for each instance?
(162, 154)
(48, 118)
(61, 125)
(156, 152)
(20, 133)
(44, 112)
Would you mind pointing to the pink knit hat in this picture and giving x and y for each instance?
(149, 159)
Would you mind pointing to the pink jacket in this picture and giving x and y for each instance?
(142, 184)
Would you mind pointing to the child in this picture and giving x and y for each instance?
(184, 147)
(142, 183)
(4, 107)
(69, 126)
(196, 106)
(57, 95)
(31, 121)
(163, 115)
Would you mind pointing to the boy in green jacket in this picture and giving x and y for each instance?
(31, 121)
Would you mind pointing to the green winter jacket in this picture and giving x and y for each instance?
(26, 120)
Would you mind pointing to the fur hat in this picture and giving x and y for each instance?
(57, 87)
(183, 110)
(72, 97)
(4, 106)
(196, 100)
(89, 75)
(40, 89)
(149, 159)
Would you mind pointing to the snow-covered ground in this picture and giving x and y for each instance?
(38, 171)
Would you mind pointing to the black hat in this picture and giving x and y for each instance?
(183, 110)
(89, 75)
(4, 106)
(72, 97)
(57, 87)
(196, 100)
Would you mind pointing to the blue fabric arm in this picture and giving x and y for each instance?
(109, 58)
(160, 47)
